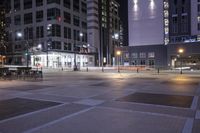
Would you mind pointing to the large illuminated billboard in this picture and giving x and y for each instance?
(146, 24)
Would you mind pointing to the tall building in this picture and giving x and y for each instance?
(158, 29)
(51, 33)
(3, 35)
(2, 25)
(103, 29)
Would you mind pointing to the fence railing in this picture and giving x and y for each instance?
(20, 73)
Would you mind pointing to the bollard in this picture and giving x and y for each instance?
(158, 70)
(137, 70)
(87, 69)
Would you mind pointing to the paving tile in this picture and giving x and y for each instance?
(197, 114)
(166, 110)
(101, 120)
(181, 82)
(196, 126)
(112, 95)
(198, 104)
(37, 119)
(91, 102)
(54, 98)
(18, 106)
(159, 99)
(28, 87)
(77, 92)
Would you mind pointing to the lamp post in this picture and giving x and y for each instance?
(48, 46)
(181, 51)
(19, 35)
(118, 53)
(75, 65)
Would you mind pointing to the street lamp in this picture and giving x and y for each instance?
(181, 51)
(118, 53)
(19, 35)
(48, 46)
(75, 65)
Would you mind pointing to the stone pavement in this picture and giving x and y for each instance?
(81, 102)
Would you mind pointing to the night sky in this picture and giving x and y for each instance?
(123, 12)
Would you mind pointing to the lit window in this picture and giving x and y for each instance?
(151, 55)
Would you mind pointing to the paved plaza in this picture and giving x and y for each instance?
(96, 102)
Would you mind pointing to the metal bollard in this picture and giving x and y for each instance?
(158, 70)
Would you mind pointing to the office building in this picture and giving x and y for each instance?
(103, 29)
(3, 35)
(168, 24)
(49, 33)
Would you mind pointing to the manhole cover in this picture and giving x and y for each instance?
(159, 99)
(18, 106)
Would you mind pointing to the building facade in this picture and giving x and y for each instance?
(3, 35)
(54, 28)
(103, 29)
(171, 24)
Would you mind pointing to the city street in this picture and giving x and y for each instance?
(96, 102)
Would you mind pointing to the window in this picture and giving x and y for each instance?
(198, 8)
(134, 55)
(28, 18)
(198, 26)
(126, 55)
(39, 16)
(151, 62)
(8, 21)
(17, 20)
(67, 17)
(142, 55)
(39, 3)
(76, 21)
(54, 30)
(68, 46)
(27, 4)
(67, 3)
(56, 45)
(151, 55)
(67, 33)
(39, 32)
(53, 1)
(53, 13)
(142, 62)
(76, 7)
(77, 35)
(83, 7)
(28, 33)
(84, 25)
(16, 5)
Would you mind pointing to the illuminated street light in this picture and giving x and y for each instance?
(19, 34)
(118, 53)
(181, 51)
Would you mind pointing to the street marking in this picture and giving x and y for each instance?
(188, 125)
(194, 103)
(58, 120)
